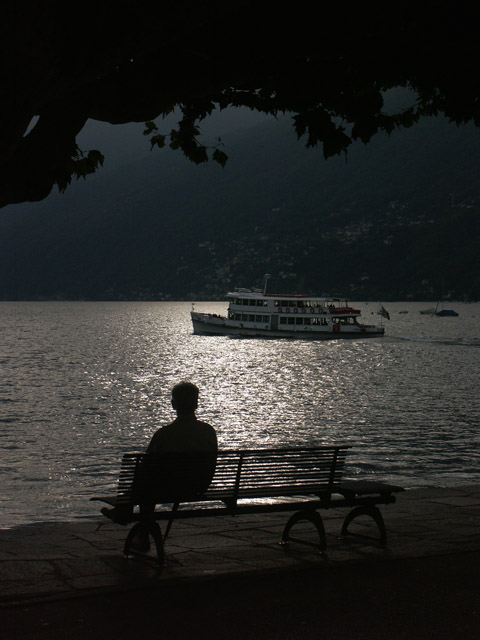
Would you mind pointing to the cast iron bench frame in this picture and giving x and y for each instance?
(298, 479)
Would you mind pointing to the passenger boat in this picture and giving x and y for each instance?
(259, 314)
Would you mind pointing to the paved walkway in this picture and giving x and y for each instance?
(63, 560)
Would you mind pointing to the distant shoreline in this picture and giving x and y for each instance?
(207, 299)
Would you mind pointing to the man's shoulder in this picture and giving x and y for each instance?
(204, 425)
(189, 424)
(160, 433)
(179, 426)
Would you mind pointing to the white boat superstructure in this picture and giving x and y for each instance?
(256, 313)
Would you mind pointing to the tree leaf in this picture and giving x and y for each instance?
(220, 157)
(150, 128)
(157, 140)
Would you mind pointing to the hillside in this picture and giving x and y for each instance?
(393, 221)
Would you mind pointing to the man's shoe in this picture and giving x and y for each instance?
(116, 515)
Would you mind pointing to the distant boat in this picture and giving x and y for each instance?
(444, 312)
(441, 313)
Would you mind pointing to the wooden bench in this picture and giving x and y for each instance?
(302, 480)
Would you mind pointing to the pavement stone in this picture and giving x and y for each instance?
(57, 560)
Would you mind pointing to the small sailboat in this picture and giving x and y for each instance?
(444, 312)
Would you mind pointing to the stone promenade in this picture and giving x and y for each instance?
(63, 560)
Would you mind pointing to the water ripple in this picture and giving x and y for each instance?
(83, 382)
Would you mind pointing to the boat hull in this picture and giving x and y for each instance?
(444, 313)
(205, 324)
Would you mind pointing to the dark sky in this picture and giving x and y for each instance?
(123, 144)
(120, 143)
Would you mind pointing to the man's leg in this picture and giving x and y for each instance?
(120, 513)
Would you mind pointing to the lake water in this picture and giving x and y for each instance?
(83, 382)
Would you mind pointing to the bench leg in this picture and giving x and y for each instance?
(375, 514)
(156, 533)
(151, 528)
(309, 515)
(170, 521)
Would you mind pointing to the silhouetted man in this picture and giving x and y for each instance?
(185, 435)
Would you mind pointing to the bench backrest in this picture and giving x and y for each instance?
(161, 477)
(256, 473)
(246, 473)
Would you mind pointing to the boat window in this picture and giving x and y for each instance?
(253, 303)
(321, 321)
(283, 320)
(300, 304)
(291, 320)
(298, 320)
(307, 321)
(251, 318)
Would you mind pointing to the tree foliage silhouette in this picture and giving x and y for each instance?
(328, 65)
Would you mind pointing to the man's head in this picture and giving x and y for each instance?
(185, 397)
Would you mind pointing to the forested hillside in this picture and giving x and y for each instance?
(393, 220)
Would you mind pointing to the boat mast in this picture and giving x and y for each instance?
(266, 276)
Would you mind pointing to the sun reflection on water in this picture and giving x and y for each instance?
(84, 382)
